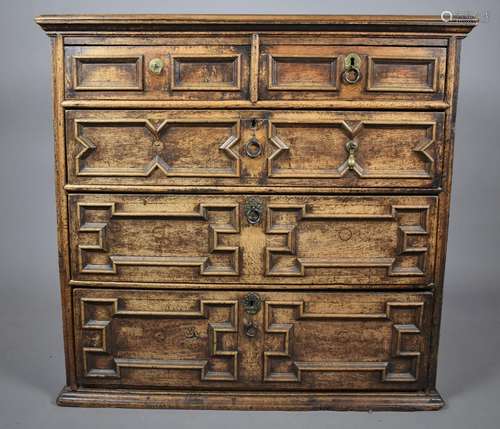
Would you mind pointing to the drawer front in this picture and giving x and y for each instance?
(204, 69)
(335, 241)
(254, 148)
(287, 341)
(309, 72)
(207, 71)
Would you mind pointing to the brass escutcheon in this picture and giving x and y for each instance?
(253, 148)
(352, 64)
(252, 303)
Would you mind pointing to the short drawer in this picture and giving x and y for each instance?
(254, 148)
(263, 341)
(205, 71)
(335, 242)
(299, 71)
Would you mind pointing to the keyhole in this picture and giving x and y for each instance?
(352, 61)
(251, 303)
(254, 123)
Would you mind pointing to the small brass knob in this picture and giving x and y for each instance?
(156, 65)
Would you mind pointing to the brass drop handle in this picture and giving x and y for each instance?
(250, 328)
(351, 147)
(352, 63)
(156, 65)
(253, 210)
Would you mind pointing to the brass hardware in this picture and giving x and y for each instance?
(352, 64)
(253, 210)
(157, 146)
(352, 60)
(191, 333)
(351, 147)
(250, 328)
(252, 303)
(156, 65)
(253, 148)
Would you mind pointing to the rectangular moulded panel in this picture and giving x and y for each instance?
(107, 73)
(300, 73)
(409, 75)
(206, 73)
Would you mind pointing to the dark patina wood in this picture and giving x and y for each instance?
(253, 210)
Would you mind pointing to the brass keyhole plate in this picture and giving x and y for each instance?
(252, 303)
(253, 210)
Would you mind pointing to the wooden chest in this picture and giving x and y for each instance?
(253, 210)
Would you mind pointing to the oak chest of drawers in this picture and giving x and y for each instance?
(253, 210)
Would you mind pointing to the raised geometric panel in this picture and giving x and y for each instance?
(297, 72)
(395, 239)
(138, 147)
(130, 333)
(402, 74)
(132, 147)
(206, 72)
(386, 149)
(116, 234)
(107, 73)
(388, 342)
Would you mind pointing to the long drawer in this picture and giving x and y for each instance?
(254, 148)
(210, 70)
(333, 241)
(239, 68)
(291, 71)
(236, 340)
